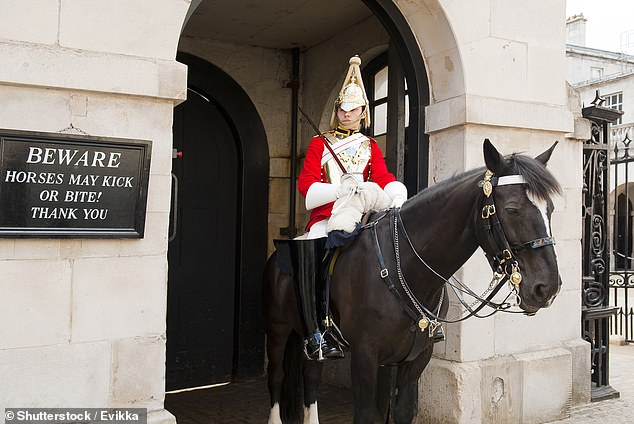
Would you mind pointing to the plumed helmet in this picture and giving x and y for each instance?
(352, 93)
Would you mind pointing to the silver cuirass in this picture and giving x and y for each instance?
(354, 153)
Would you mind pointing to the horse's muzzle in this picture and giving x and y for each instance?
(540, 295)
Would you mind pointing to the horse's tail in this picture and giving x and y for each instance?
(292, 407)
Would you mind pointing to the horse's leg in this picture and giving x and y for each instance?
(275, 345)
(364, 368)
(386, 383)
(406, 406)
(312, 380)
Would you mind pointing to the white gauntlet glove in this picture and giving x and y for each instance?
(319, 194)
(397, 191)
(350, 184)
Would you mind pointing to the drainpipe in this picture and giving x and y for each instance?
(293, 84)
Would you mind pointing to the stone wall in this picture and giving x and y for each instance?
(84, 319)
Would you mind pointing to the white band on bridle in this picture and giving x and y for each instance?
(510, 179)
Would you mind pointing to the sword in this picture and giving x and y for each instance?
(326, 142)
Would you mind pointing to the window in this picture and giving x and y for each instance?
(596, 72)
(378, 102)
(615, 101)
(376, 76)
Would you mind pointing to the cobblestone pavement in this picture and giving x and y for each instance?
(247, 403)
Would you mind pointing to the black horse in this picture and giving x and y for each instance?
(412, 252)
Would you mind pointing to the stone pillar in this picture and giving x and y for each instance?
(486, 64)
(84, 319)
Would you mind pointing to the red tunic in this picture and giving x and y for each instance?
(312, 172)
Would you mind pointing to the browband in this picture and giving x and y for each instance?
(507, 180)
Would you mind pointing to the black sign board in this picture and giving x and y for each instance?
(61, 185)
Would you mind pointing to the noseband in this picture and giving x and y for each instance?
(499, 252)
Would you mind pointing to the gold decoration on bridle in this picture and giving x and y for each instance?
(487, 186)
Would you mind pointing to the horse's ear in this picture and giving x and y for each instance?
(544, 157)
(492, 158)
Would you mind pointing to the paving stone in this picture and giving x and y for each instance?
(248, 402)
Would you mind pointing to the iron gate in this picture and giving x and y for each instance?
(622, 261)
(596, 309)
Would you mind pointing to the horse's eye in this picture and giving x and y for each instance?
(512, 211)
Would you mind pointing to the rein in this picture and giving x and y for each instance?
(499, 252)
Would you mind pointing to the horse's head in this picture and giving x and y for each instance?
(514, 224)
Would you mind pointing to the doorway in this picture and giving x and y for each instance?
(202, 246)
(218, 225)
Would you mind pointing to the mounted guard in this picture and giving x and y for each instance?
(343, 176)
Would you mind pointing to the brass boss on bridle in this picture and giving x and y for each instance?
(499, 252)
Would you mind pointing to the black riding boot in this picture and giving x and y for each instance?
(306, 256)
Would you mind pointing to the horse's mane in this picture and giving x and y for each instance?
(540, 182)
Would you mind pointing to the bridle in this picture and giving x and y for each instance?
(499, 252)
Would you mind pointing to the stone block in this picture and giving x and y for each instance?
(154, 241)
(69, 249)
(7, 248)
(117, 298)
(447, 155)
(527, 388)
(30, 21)
(436, 34)
(505, 80)
(551, 369)
(566, 224)
(278, 195)
(145, 28)
(537, 331)
(36, 305)
(552, 89)
(581, 370)
(533, 25)
(444, 114)
(138, 367)
(159, 193)
(72, 69)
(470, 20)
(446, 72)
(37, 249)
(32, 109)
(569, 262)
(449, 392)
(501, 391)
(59, 375)
(279, 168)
(517, 114)
(99, 248)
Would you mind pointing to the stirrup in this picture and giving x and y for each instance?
(317, 348)
(335, 333)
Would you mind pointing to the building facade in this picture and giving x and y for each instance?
(91, 322)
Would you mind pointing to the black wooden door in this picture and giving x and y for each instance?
(202, 248)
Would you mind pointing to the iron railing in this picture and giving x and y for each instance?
(622, 262)
(596, 309)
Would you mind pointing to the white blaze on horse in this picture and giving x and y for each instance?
(388, 289)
